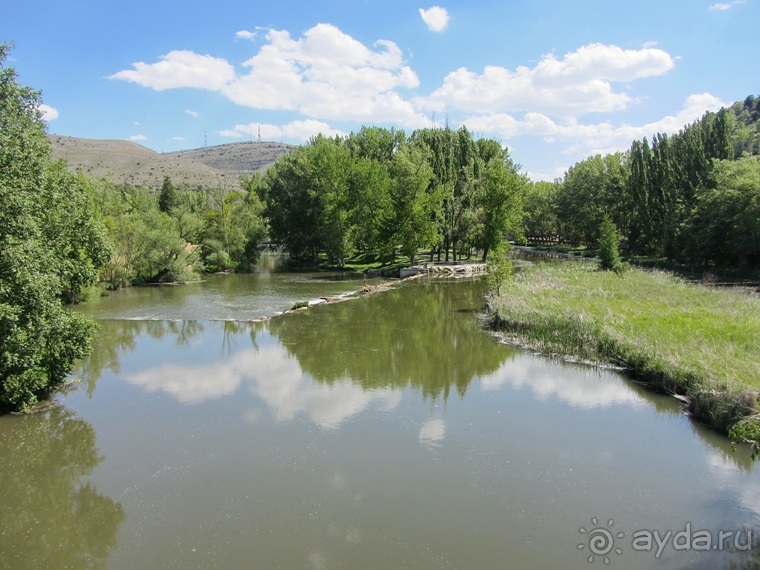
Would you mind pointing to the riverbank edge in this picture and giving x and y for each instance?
(730, 410)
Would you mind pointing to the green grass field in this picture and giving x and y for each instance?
(685, 338)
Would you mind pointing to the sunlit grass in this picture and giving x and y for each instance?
(686, 338)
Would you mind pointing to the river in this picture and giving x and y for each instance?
(389, 431)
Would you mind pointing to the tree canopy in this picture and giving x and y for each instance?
(691, 197)
(51, 247)
(377, 190)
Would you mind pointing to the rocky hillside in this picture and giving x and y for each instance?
(131, 163)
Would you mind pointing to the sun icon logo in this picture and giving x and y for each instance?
(600, 541)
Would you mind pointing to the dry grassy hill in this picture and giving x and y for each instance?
(131, 163)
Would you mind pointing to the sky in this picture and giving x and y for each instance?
(554, 82)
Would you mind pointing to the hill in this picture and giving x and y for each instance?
(131, 163)
(746, 132)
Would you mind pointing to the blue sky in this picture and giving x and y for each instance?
(553, 81)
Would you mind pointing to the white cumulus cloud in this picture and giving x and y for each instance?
(578, 83)
(325, 74)
(180, 68)
(436, 18)
(135, 138)
(48, 113)
(193, 114)
(584, 139)
(245, 35)
(300, 131)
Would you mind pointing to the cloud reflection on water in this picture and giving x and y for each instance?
(271, 375)
(579, 386)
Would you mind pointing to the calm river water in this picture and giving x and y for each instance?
(385, 432)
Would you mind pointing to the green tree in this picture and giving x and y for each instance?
(609, 253)
(499, 268)
(440, 148)
(724, 227)
(592, 189)
(71, 222)
(147, 245)
(370, 204)
(375, 143)
(501, 191)
(540, 211)
(188, 213)
(167, 198)
(46, 249)
(414, 203)
(306, 197)
(252, 225)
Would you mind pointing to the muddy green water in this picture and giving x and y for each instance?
(385, 432)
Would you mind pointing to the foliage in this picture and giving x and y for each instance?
(147, 245)
(499, 202)
(376, 191)
(540, 220)
(725, 221)
(304, 193)
(50, 247)
(691, 197)
(746, 134)
(609, 254)
(592, 189)
(747, 430)
(499, 268)
(233, 229)
(414, 204)
(167, 198)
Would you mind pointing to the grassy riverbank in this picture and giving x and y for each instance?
(700, 342)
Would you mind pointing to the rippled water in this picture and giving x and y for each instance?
(385, 432)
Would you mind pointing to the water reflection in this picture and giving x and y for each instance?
(360, 352)
(422, 336)
(271, 375)
(432, 433)
(50, 516)
(326, 439)
(114, 338)
(580, 386)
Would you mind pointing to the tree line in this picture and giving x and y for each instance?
(380, 191)
(693, 197)
(375, 191)
(176, 233)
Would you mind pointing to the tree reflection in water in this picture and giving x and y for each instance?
(50, 515)
(416, 336)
